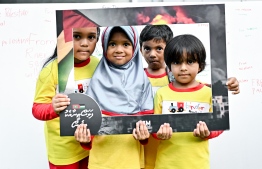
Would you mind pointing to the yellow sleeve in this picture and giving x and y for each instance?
(158, 103)
(211, 105)
(47, 83)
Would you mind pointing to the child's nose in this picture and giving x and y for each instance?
(84, 42)
(183, 67)
(119, 49)
(152, 54)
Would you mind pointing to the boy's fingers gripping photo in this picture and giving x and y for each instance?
(233, 85)
(201, 130)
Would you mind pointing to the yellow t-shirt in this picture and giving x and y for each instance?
(150, 149)
(183, 150)
(61, 150)
(114, 152)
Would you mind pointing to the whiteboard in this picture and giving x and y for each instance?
(28, 37)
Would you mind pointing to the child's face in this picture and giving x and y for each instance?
(120, 49)
(84, 43)
(185, 71)
(153, 52)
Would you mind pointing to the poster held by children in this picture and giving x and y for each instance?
(180, 122)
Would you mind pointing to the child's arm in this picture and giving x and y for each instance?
(83, 136)
(203, 132)
(44, 111)
(49, 111)
(233, 85)
(214, 134)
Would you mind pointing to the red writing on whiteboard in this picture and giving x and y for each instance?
(257, 82)
(34, 71)
(31, 39)
(257, 86)
(48, 13)
(34, 67)
(256, 90)
(9, 12)
(2, 23)
(244, 66)
(243, 80)
(35, 58)
(32, 54)
(245, 9)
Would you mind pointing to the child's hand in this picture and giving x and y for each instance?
(60, 102)
(201, 130)
(233, 85)
(164, 132)
(141, 131)
(82, 134)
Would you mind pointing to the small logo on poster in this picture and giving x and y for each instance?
(78, 106)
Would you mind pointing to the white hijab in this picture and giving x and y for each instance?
(125, 89)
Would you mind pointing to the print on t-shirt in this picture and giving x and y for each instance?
(179, 107)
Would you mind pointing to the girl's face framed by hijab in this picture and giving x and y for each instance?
(120, 48)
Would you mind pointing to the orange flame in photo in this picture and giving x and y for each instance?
(181, 16)
(165, 18)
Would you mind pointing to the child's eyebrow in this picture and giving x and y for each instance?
(89, 33)
(123, 41)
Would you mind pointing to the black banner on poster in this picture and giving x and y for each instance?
(83, 109)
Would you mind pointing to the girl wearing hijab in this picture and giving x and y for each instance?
(121, 87)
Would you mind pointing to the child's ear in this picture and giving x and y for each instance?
(199, 69)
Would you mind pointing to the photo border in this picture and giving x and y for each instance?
(214, 14)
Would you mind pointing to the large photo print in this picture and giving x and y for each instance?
(207, 22)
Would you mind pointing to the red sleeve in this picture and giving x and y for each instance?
(87, 146)
(44, 111)
(155, 136)
(214, 134)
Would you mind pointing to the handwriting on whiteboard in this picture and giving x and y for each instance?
(10, 12)
(244, 66)
(30, 39)
(257, 86)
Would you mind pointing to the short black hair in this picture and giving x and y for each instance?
(194, 48)
(156, 32)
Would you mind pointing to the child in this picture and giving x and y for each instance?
(65, 152)
(153, 39)
(185, 56)
(121, 87)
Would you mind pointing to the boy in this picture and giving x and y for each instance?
(185, 56)
(153, 40)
